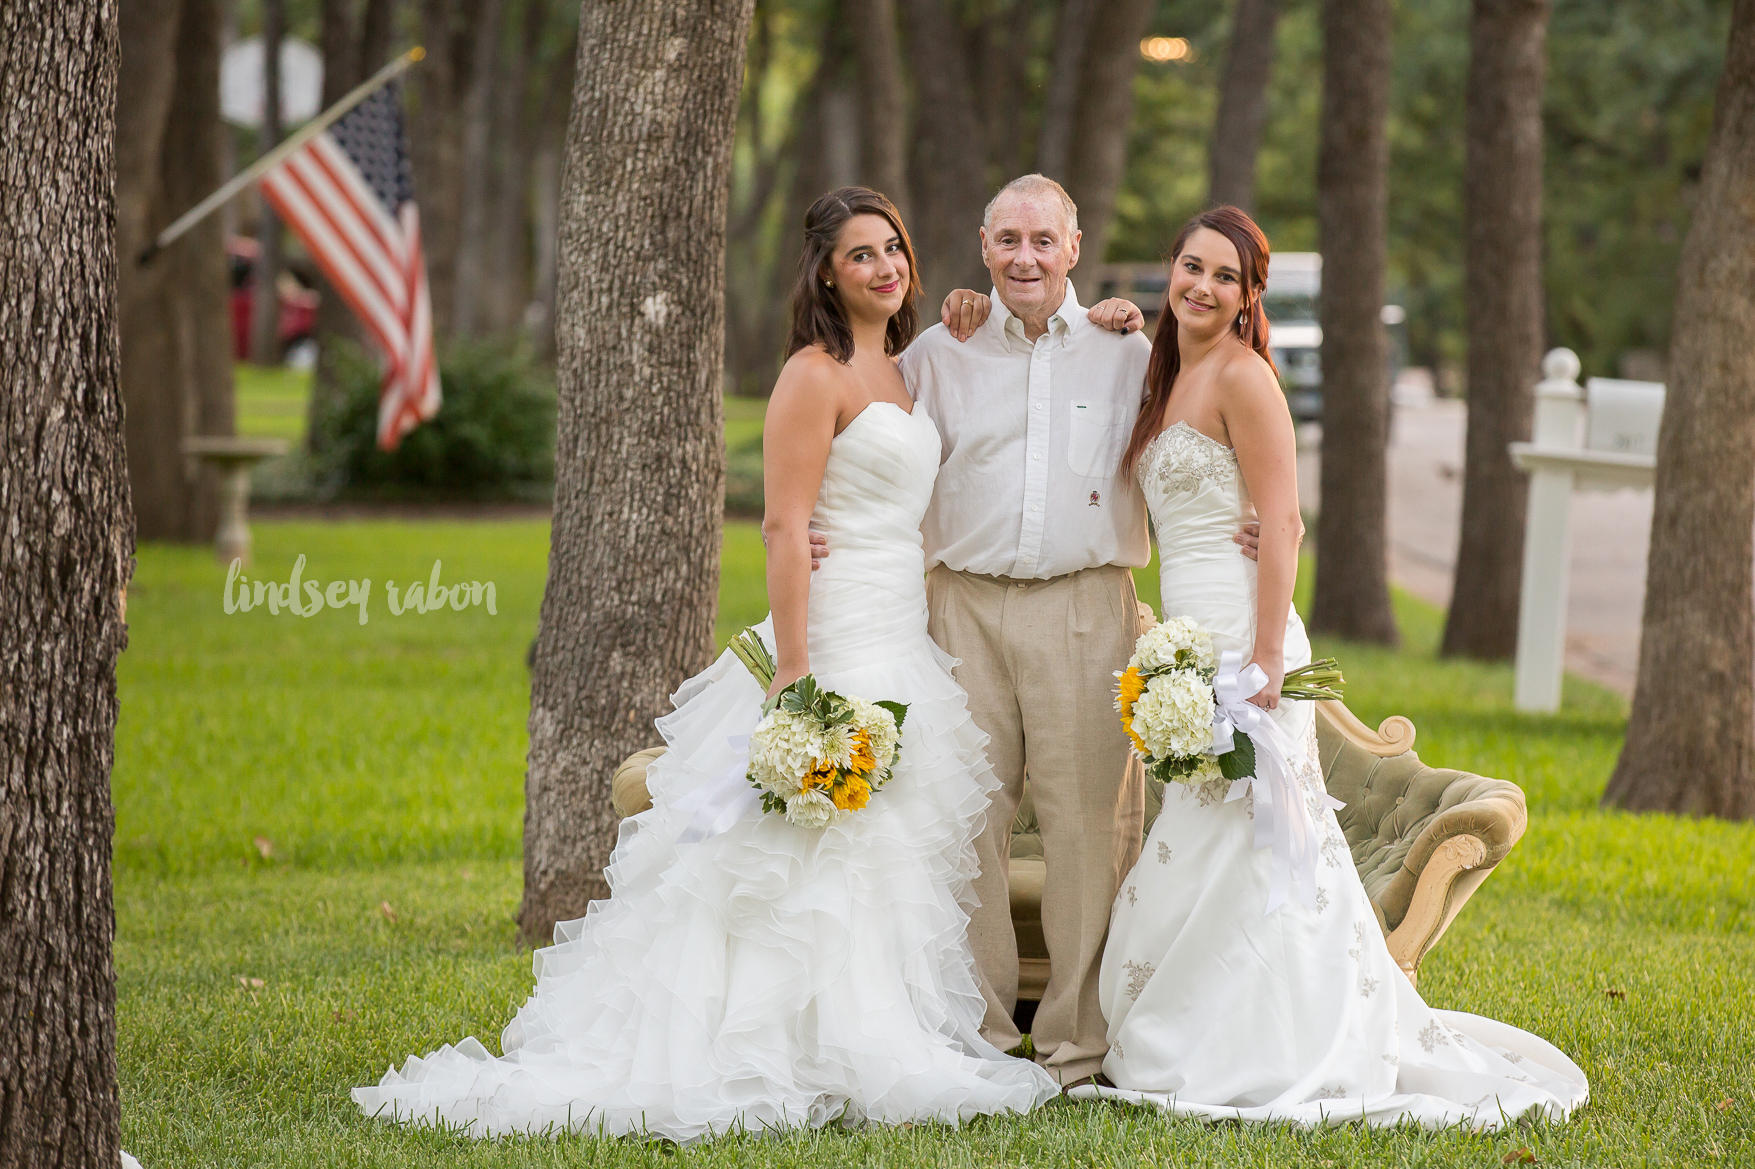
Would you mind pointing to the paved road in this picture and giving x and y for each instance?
(1610, 534)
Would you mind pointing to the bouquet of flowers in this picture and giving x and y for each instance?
(1172, 712)
(817, 756)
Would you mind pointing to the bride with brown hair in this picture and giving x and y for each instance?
(1239, 980)
(769, 975)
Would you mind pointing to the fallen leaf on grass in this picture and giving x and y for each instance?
(250, 983)
(1518, 1157)
(1726, 1104)
(466, 874)
(264, 846)
(342, 1016)
(1616, 993)
(385, 909)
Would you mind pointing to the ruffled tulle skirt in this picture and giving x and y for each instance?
(769, 977)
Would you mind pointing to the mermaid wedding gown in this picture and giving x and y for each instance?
(774, 976)
(1216, 1009)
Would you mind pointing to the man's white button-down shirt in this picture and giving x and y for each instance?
(1029, 482)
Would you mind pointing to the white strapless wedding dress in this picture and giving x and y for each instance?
(1216, 1009)
(774, 976)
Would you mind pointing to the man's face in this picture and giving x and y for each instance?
(1029, 250)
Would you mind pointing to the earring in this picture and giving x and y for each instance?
(1243, 320)
(828, 284)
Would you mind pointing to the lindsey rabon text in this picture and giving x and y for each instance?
(307, 598)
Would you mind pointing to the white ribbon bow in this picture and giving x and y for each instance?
(723, 800)
(1283, 820)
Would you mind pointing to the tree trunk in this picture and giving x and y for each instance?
(508, 259)
(883, 105)
(640, 473)
(175, 329)
(1502, 201)
(438, 90)
(1352, 578)
(1243, 89)
(1060, 106)
(65, 552)
(478, 123)
(1099, 145)
(950, 187)
(265, 310)
(1691, 739)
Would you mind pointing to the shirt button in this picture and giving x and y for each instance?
(1035, 507)
(1037, 457)
(1020, 584)
(1038, 405)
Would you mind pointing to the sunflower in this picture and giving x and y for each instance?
(851, 793)
(1129, 685)
(822, 775)
(863, 762)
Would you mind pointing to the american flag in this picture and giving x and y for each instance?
(349, 194)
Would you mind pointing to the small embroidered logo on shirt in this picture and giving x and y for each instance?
(1096, 499)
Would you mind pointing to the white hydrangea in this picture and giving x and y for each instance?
(880, 725)
(784, 747)
(1206, 770)
(812, 809)
(1174, 717)
(1158, 648)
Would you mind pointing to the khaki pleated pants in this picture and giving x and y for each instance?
(1038, 660)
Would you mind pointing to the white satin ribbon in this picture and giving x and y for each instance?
(723, 800)
(1283, 820)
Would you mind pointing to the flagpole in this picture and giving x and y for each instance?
(276, 156)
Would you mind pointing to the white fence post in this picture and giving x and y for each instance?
(1541, 626)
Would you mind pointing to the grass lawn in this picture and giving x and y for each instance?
(317, 843)
(271, 401)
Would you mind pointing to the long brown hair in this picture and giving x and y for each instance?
(818, 317)
(1251, 327)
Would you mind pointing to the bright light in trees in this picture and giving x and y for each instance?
(1163, 49)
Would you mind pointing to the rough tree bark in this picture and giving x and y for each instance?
(1060, 105)
(65, 551)
(1691, 738)
(265, 303)
(1243, 91)
(175, 329)
(1502, 207)
(948, 171)
(1105, 118)
(883, 104)
(639, 470)
(1352, 195)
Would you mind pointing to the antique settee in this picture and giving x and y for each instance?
(1423, 838)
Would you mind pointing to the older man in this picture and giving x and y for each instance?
(1030, 538)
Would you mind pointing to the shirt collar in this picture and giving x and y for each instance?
(1064, 324)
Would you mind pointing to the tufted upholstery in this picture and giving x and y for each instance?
(1423, 838)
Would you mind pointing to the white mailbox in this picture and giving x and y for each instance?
(1623, 416)
(1596, 439)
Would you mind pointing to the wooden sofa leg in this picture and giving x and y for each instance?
(1447, 881)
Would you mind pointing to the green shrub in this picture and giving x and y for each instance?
(493, 437)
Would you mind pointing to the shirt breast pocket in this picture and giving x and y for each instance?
(1095, 439)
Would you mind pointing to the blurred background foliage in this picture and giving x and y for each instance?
(1627, 111)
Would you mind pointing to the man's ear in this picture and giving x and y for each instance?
(983, 231)
(1076, 237)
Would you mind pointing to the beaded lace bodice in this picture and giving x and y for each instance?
(1182, 459)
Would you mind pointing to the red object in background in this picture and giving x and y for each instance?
(298, 307)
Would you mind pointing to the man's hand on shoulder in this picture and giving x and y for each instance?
(964, 311)
(1118, 315)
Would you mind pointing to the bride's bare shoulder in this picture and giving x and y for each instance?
(811, 383)
(1246, 379)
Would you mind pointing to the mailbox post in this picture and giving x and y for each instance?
(1597, 440)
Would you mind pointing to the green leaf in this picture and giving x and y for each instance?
(1239, 761)
(899, 709)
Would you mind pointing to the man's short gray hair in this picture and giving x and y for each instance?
(1038, 185)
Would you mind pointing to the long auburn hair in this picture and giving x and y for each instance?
(818, 317)
(1252, 249)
